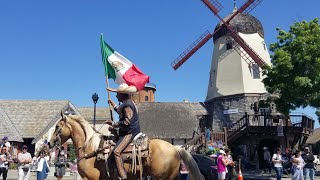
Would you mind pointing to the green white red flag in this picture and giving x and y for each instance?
(120, 69)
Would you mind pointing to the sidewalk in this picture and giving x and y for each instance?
(13, 175)
(248, 175)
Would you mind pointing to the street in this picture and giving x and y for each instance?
(252, 175)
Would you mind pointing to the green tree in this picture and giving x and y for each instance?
(295, 74)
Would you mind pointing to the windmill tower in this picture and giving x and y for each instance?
(235, 79)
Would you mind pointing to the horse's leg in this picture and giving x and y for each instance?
(165, 160)
(88, 169)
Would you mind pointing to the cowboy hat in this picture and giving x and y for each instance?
(222, 152)
(124, 89)
(264, 148)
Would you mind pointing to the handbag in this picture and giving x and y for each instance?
(25, 169)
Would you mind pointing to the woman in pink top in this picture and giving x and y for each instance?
(222, 163)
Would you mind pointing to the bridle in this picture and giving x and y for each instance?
(57, 139)
(57, 142)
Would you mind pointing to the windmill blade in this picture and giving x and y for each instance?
(248, 6)
(244, 55)
(213, 5)
(191, 50)
(244, 9)
(246, 47)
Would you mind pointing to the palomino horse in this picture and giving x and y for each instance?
(163, 162)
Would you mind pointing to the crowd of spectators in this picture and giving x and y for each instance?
(22, 160)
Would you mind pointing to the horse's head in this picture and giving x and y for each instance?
(62, 132)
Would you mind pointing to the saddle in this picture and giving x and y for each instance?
(137, 151)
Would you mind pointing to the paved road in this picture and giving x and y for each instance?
(252, 175)
(257, 175)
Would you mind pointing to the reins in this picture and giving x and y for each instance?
(79, 148)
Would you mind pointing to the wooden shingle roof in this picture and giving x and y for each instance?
(168, 120)
(314, 138)
(7, 128)
(101, 113)
(31, 117)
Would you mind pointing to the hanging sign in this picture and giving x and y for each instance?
(230, 111)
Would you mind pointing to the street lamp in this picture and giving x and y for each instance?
(95, 98)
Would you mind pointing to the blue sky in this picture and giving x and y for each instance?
(51, 50)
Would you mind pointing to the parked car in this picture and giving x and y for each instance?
(207, 166)
(316, 160)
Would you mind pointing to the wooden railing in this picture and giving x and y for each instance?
(304, 121)
(200, 141)
(194, 144)
(242, 125)
(269, 120)
(219, 137)
(236, 127)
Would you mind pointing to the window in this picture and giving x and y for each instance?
(264, 45)
(146, 98)
(211, 79)
(229, 45)
(255, 71)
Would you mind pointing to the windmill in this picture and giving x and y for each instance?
(215, 7)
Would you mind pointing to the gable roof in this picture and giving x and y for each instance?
(170, 120)
(7, 128)
(31, 117)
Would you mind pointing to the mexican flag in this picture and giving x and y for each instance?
(120, 69)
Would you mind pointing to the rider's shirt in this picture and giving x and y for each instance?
(128, 118)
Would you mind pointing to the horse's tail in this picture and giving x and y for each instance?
(190, 163)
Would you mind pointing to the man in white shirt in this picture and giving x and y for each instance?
(277, 160)
(24, 160)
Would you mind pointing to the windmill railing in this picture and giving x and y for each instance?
(269, 119)
(304, 121)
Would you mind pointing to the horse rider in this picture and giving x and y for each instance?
(128, 123)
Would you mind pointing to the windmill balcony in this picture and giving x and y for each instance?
(262, 125)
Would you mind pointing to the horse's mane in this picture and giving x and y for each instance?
(92, 136)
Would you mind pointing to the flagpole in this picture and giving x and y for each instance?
(107, 81)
